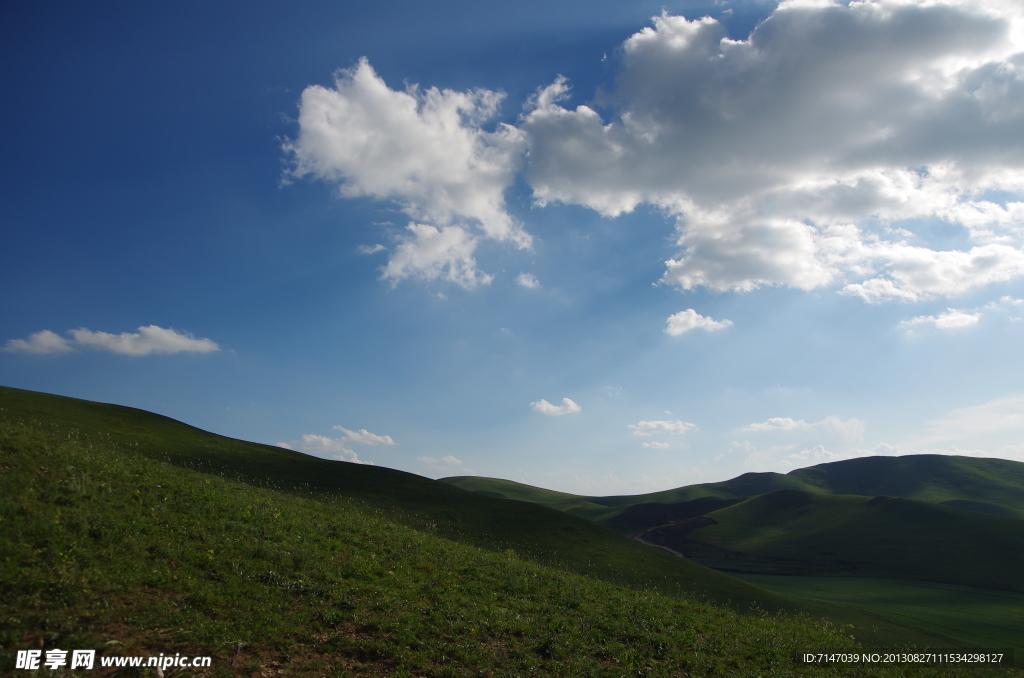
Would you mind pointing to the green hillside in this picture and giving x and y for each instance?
(542, 533)
(796, 532)
(105, 545)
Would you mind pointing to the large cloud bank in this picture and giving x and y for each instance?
(817, 152)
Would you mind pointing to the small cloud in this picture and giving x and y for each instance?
(449, 462)
(544, 407)
(39, 343)
(528, 280)
(655, 446)
(371, 249)
(684, 321)
(149, 339)
(327, 448)
(777, 424)
(650, 428)
(363, 436)
(850, 430)
(952, 319)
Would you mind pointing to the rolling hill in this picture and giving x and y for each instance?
(991, 486)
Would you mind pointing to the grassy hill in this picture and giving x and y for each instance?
(105, 544)
(795, 532)
(542, 533)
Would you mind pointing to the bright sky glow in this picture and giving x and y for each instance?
(598, 248)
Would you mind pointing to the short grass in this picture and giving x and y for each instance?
(976, 617)
(103, 547)
(878, 537)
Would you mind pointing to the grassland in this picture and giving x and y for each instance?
(976, 617)
(103, 546)
(540, 533)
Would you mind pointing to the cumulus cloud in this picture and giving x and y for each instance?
(149, 339)
(655, 445)
(426, 150)
(650, 428)
(528, 280)
(364, 437)
(39, 343)
(684, 321)
(325, 447)
(785, 156)
(430, 253)
(952, 319)
(336, 448)
(850, 430)
(544, 407)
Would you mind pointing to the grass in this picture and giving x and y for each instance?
(976, 617)
(102, 546)
(543, 534)
(878, 537)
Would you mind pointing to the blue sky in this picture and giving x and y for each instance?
(604, 248)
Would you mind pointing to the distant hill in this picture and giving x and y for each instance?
(990, 486)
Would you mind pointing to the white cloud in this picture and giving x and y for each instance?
(447, 464)
(544, 407)
(431, 254)
(952, 319)
(684, 321)
(850, 430)
(363, 436)
(788, 157)
(39, 343)
(335, 448)
(328, 448)
(371, 249)
(777, 424)
(149, 339)
(528, 280)
(650, 428)
(655, 445)
(424, 149)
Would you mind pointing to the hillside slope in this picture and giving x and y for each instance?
(544, 534)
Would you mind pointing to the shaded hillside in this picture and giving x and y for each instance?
(800, 532)
(650, 515)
